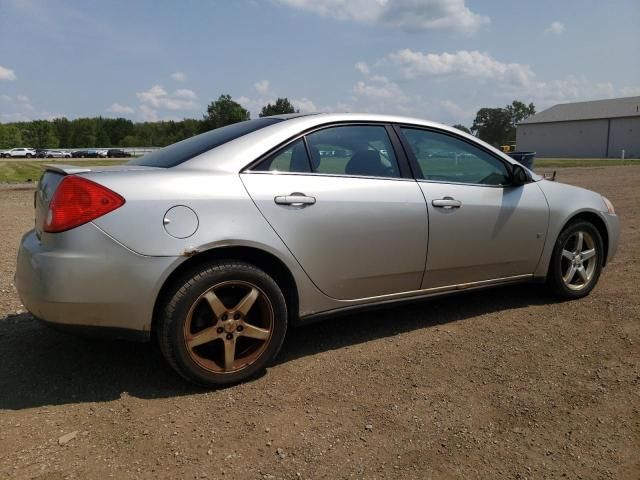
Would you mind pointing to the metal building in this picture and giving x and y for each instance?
(596, 129)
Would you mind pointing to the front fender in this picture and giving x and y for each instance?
(567, 202)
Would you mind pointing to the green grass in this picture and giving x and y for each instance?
(582, 162)
(20, 171)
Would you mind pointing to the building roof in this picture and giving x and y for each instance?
(610, 108)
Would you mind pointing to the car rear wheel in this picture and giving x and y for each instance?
(222, 323)
(28, 155)
(577, 261)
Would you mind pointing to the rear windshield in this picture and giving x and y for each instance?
(191, 147)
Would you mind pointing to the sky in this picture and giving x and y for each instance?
(436, 59)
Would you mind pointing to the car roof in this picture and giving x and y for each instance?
(233, 156)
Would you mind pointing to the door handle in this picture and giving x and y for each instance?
(446, 202)
(296, 199)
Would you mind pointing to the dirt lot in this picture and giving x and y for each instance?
(504, 383)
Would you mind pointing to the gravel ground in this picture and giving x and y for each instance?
(505, 383)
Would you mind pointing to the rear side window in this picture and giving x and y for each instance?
(358, 150)
(355, 150)
(191, 147)
(293, 158)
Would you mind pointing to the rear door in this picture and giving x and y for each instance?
(342, 201)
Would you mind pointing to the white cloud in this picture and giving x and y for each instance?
(7, 73)
(148, 114)
(120, 109)
(304, 105)
(363, 68)
(630, 91)
(262, 86)
(178, 76)
(379, 91)
(14, 117)
(20, 103)
(455, 113)
(20, 109)
(157, 97)
(185, 93)
(567, 90)
(463, 63)
(254, 105)
(410, 15)
(376, 93)
(153, 96)
(556, 28)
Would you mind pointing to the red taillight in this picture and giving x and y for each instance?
(78, 201)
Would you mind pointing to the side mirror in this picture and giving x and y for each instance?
(519, 176)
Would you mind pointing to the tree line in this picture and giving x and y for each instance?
(493, 125)
(121, 132)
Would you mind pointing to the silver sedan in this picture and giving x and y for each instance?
(215, 245)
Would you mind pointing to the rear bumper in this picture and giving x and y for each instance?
(92, 281)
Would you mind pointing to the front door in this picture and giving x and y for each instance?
(480, 227)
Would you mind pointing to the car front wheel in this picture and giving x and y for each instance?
(222, 323)
(577, 261)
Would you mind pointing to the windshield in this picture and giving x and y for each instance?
(191, 147)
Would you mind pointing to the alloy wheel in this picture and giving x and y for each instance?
(229, 327)
(579, 260)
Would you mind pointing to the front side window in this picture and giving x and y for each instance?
(358, 150)
(447, 159)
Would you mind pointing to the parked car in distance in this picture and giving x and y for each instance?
(215, 245)
(19, 152)
(94, 153)
(117, 153)
(80, 154)
(89, 153)
(58, 154)
(41, 152)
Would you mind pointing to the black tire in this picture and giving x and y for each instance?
(184, 304)
(557, 284)
(29, 155)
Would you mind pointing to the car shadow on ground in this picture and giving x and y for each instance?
(41, 366)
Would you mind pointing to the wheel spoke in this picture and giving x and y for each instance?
(587, 254)
(229, 353)
(215, 303)
(579, 242)
(583, 274)
(204, 336)
(252, 331)
(567, 254)
(570, 274)
(247, 302)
